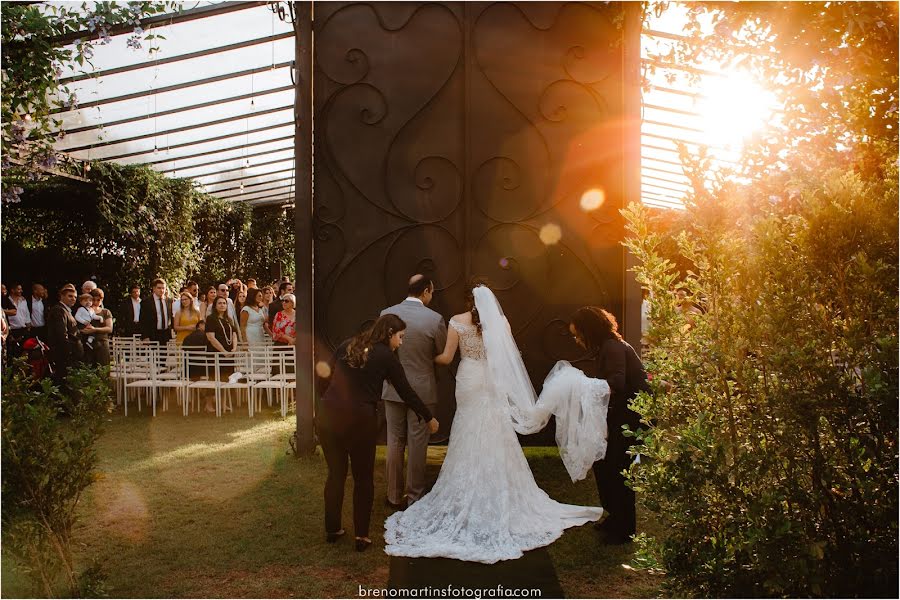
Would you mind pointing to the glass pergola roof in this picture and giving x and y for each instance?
(215, 104)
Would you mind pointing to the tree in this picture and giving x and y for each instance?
(772, 460)
(32, 62)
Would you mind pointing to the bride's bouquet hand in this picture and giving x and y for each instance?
(433, 425)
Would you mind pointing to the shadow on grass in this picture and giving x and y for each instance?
(206, 507)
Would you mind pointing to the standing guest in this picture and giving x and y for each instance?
(251, 284)
(348, 420)
(20, 322)
(597, 331)
(286, 287)
(100, 328)
(268, 294)
(186, 318)
(4, 332)
(253, 318)
(85, 316)
(37, 308)
(209, 299)
(9, 309)
(192, 288)
(130, 313)
(240, 302)
(156, 314)
(88, 286)
(235, 286)
(62, 334)
(221, 336)
(222, 291)
(426, 335)
(284, 328)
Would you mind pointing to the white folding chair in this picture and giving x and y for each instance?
(137, 360)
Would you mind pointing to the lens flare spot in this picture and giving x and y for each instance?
(550, 234)
(592, 199)
(504, 263)
(124, 511)
(323, 370)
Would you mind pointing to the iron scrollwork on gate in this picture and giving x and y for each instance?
(458, 139)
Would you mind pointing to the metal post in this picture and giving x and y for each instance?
(303, 214)
(631, 87)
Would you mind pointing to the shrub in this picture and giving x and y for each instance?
(773, 463)
(48, 461)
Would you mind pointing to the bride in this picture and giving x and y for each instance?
(485, 506)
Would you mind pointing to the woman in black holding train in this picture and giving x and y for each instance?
(348, 422)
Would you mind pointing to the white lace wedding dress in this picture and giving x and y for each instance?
(485, 506)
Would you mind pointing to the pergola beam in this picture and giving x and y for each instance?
(182, 16)
(223, 160)
(204, 141)
(176, 86)
(157, 134)
(179, 109)
(173, 59)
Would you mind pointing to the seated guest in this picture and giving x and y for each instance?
(196, 338)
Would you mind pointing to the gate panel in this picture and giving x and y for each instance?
(458, 140)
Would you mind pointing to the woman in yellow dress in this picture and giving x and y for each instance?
(187, 318)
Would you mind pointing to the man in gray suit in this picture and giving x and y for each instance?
(426, 334)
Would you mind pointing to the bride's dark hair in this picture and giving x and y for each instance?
(470, 300)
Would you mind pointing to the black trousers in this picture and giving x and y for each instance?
(353, 442)
(616, 497)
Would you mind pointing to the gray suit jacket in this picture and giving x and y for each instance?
(426, 335)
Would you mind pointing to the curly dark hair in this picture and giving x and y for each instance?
(595, 325)
(381, 331)
(470, 300)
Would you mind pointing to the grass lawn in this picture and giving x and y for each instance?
(206, 507)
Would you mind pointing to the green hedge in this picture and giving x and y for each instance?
(131, 224)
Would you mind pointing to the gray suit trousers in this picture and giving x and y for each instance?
(404, 428)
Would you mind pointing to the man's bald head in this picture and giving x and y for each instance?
(420, 287)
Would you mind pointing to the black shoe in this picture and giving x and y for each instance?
(362, 545)
(333, 537)
(396, 506)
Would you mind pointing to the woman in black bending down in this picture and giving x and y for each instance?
(348, 423)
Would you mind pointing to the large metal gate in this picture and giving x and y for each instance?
(473, 139)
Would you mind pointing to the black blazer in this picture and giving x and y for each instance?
(353, 393)
(274, 308)
(125, 318)
(62, 336)
(149, 315)
(620, 366)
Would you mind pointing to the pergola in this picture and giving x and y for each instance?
(227, 96)
(216, 104)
